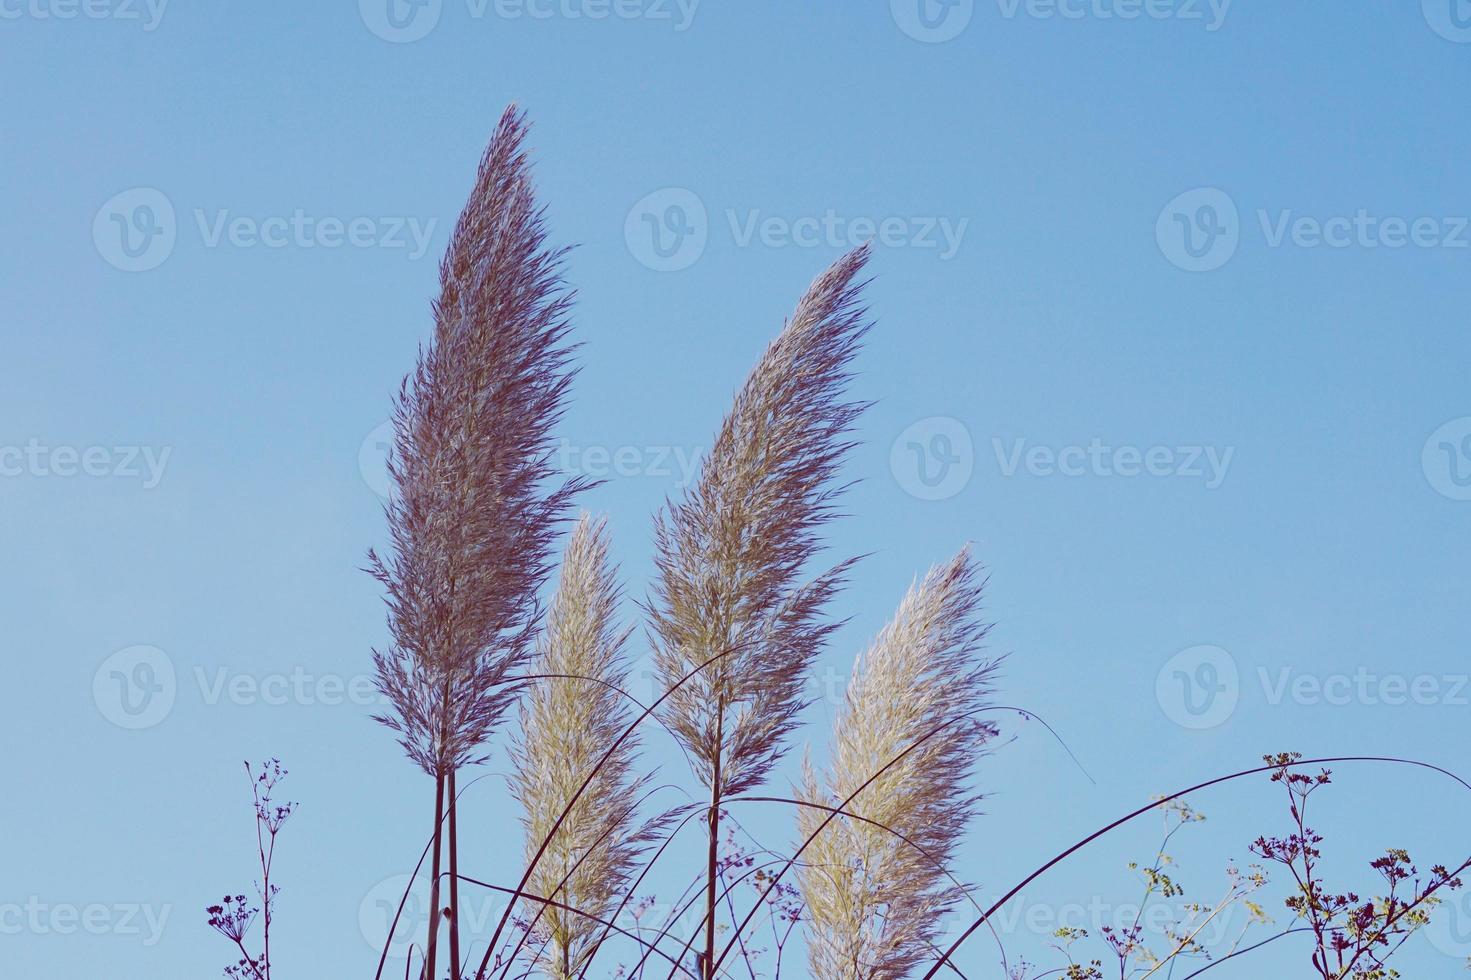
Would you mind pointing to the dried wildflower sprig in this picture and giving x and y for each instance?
(1283, 763)
(1353, 936)
(571, 716)
(476, 505)
(234, 916)
(1128, 947)
(874, 901)
(731, 555)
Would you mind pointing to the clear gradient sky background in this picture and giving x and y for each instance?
(1191, 372)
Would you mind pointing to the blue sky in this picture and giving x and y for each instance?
(1171, 324)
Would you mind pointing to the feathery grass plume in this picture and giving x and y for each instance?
(475, 508)
(731, 554)
(874, 902)
(570, 717)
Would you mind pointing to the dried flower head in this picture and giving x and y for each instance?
(475, 508)
(570, 718)
(731, 554)
(875, 899)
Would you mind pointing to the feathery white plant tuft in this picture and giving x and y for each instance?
(570, 717)
(731, 554)
(736, 627)
(875, 902)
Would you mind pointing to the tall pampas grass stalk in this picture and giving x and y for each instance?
(731, 555)
(569, 719)
(476, 505)
(876, 891)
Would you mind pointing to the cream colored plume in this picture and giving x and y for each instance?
(875, 901)
(570, 717)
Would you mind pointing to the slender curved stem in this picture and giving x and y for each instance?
(772, 881)
(632, 889)
(1063, 855)
(517, 893)
(577, 864)
(587, 781)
